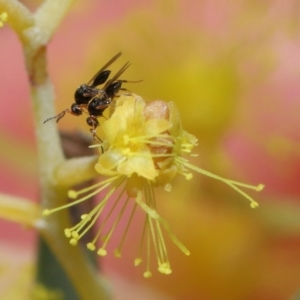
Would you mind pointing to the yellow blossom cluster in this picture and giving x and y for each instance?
(144, 144)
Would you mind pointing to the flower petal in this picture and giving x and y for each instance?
(143, 165)
(110, 159)
(113, 126)
(156, 126)
(103, 171)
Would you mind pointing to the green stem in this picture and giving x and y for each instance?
(76, 170)
(35, 32)
(85, 280)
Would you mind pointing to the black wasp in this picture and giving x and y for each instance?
(93, 100)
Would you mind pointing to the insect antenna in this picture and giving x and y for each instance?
(58, 117)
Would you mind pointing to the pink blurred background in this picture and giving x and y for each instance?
(233, 70)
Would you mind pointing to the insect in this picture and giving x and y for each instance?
(93, 100)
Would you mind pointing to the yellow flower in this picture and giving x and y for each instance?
(3, 18)
(144, 148)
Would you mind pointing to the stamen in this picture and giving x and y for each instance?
(148, 273)
(173, 237)
(74, 194)
(188, 176)
(106, 218)
(74, 228)
(253, 203)
(115, 224)
(102, 252)
(73, 242)
(156, 247)
(165, 267)
(91, 246)
(138, 260)
(82, 217)
(150, 195)
(118, 250)
(93, 216)
(3, 18)
(229, 182)
(155, 215)
(67, 232)
(75, 235)
(47, 212)
(157, 240)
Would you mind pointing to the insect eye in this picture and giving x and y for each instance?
(75, 109)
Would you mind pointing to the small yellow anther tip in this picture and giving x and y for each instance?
(165, 270)
(82, 217)
(117, 253)
(189, 176)
(72, 194)
(46, 212)
(73, 242)
(102, 252)
(3, 18)
(91, 246)
(75, 235)
(254, 205)
(67, 232)
(147, 274)
(137, 262)
(260, 187)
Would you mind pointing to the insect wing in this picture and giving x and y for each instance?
(101, 78)
(117, 75)
(94, 78)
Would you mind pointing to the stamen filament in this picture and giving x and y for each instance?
(119, 248)
(109, 180)
(47, 212)
(115, 223)
(148, 273)
(258, 187)
(107, 197)
(253, 203)
(96, 211)
(162, 245)
(173, 236)
(138, 260)
(152, 230)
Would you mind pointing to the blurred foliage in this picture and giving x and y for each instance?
(233, 71)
